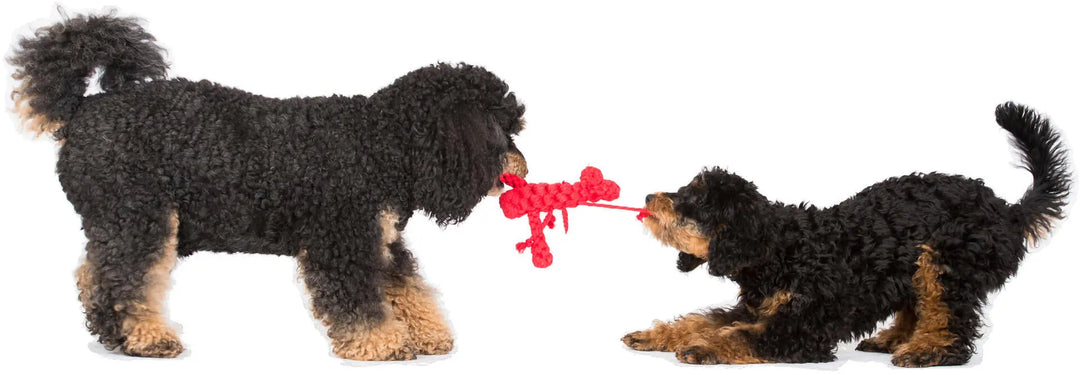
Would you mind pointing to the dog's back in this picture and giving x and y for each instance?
(249, 168)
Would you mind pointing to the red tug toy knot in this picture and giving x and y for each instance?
(531, 199)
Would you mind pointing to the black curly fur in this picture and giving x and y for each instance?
(851, 266)
(250, 174)
(1044, 156)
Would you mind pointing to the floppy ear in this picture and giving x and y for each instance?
(742, 231)
(454, 123)
(455, 161)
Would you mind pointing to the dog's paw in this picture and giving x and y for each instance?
(872, 346)
(401, 354)
(697, 355)
(151, 338)
(165, 347)
(434, 348)
(404, 353)
(640, 340)
(923, 359)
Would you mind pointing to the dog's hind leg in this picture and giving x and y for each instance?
(123, 280)
(413, 302)
(345, 272)
(889, 339)
(947, 318)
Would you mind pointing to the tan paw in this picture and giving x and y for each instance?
(642, 340)
(153, 340)
(697, 355)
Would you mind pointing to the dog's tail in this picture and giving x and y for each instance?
(54, 65)
(1042, 154)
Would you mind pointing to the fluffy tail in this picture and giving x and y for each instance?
(1045, 157)
(55, 64)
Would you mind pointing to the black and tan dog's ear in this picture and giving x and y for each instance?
(688, 262)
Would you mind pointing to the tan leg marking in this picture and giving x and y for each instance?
(370, 341)
(666, 226)
(771, 305)
(84, 280)
(700, 339)
(388, 220)
(889, 339)
(667, 337)
(727, 345)
(383, 341)
(146, 331)
(414, 304)
(928, 343)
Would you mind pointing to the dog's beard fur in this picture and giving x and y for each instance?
(678, 232)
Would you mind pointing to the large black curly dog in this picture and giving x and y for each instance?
(160, 168)
(925, 247)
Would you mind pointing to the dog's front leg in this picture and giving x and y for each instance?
(783, 327)
(414, 303)
(669, 336)
(345, 279)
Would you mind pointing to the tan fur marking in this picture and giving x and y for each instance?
(32, 121)
(512, 163)
(384, 341)
(772, 304)
(145, 329)
(1032, 239)
(84, 280)
(665, 225)
(388, 220)
(698, 339)
(889, 339)
(515, 163)
(931, 336)
(667, 337)
(414, 304)
(723, 346)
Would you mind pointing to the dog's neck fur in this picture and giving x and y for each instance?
(794, 226)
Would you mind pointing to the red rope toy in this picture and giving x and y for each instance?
(532, 199)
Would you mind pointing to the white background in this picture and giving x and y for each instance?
(812, 102)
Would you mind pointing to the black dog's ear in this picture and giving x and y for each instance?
(688, 262)
(457, 163)
(736, 221)
(457, 120)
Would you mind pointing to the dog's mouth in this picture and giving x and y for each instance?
(672, 230)
(513, 163)
(497, 189)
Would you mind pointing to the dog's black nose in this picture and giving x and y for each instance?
(649, 198)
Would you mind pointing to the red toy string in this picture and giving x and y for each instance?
(531, 199)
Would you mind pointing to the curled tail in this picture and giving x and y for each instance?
(55, 64)
(1042, 154)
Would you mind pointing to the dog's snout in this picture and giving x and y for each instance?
(649, 198)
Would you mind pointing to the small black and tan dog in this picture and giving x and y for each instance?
(160, 168)
(925, 247)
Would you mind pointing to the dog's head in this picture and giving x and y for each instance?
(719, 218)
(460, 121)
